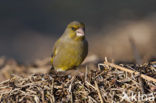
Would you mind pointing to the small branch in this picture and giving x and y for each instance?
(86, 73)
(130, 71)
(87, 83)
(97, 88)
(154, 62)
(70, 89)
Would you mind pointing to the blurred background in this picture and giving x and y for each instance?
(29, 28)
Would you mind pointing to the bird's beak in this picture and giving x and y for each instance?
(80, 32)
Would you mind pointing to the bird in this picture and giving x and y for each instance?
(70, 50)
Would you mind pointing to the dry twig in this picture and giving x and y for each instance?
(131, 71)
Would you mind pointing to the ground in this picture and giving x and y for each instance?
(99, 81)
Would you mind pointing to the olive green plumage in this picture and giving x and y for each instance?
(71, 48)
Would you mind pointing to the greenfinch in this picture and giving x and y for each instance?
(71, 48)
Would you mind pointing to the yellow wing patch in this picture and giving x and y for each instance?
(55, 51)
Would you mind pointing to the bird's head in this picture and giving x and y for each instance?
(76, 30)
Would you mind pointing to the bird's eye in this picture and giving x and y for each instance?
(73, 28)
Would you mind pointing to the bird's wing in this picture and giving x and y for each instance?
(55, 50)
